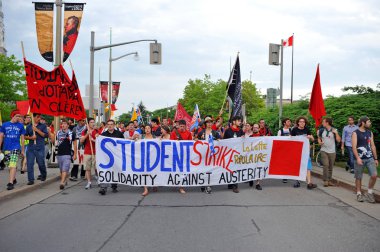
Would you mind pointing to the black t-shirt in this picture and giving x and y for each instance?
(231, 134)
(300, 132)
(64, 142)
(115, 134)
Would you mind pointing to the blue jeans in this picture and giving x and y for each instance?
(351, 159)
(38, 154)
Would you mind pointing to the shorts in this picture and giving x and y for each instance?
(89, 162)
(64, 162)
(369, 163)
(309, 165)
(11, 158)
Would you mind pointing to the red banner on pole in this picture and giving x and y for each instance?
(104, 91)
(23, 107)
(316, 105)
(181, 114)
(53, 93)
(72, 19)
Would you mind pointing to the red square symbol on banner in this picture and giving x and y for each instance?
(285, 158)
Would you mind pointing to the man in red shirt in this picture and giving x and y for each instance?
(88, 136)
(181, 134)
(264, 130)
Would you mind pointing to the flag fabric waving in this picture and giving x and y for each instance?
(138, 114)
(234, 89)
(134, 114)
(211, 144)
(181, 114)
(53, 93)
(288, 42)
(196, 118)
(23, 107)
(316, 105)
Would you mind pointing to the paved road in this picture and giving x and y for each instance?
(279, 218)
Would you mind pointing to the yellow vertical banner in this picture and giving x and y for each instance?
(44, 26)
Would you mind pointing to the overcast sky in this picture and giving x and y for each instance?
(200, 37)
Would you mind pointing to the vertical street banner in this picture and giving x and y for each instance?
(53, 93)
(190, 163)
(72, 19)
(104, 91)
(44, 26)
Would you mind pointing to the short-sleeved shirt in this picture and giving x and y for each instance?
(364, 144)
(128, 134)
(156, 131)
(230, 133)
(115, 134)
(40, 140)
(347, 134)
(300, 132)
(87, 147)
(184, 135)
(64, 142)
(328, 138)
(283, 132)
(12, 133)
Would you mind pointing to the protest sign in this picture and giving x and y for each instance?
(53, 93)
(191, 163)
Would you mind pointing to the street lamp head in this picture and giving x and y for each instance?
(136, 57)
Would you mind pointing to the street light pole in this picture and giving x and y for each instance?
(110, 78)
(94, 48)
(281, 80)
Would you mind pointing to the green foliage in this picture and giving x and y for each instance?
(12, 84)
(338, 108)
(125, 117)
(209, 96)
(359, 89)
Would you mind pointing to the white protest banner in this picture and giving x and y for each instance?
(190, 163)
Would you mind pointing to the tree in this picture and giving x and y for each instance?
(251, 97)
(359, 89)
(12, 84)
(142, 108)
(125, 117)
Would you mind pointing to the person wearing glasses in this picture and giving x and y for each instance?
(301, 129)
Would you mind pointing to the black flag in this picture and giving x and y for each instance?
(234, 89)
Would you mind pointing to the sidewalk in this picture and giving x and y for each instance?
(22, 180)
(346, 179)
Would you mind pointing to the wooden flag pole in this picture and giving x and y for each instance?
(32, 117)
(88, 127)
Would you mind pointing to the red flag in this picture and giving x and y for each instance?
(113, 107)
(23, 107)
(316, 105)
(53, 93)
(288, 42)
(181, 114)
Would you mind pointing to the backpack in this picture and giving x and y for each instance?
(322, 129)
(283, 133)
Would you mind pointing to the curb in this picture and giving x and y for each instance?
(346, 185)
(6, 195)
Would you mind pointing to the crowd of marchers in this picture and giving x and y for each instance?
(29, 140)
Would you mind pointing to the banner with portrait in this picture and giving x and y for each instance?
(72, 20)
(44, 13)
(104, 91)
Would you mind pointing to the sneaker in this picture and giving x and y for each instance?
(61, 187)
(359, 198)
(73, 179)
(43, 179)
(284, 181)
(39, 177)
(30, 183)
(14, 181)
(88, 186)
(235, 189)
(330, 183)
(251, 183)
(96, 178)
(10, 186)
(325, 183)
(208, 190)
(352, 171)
(258, 187)
(203, 189)
(347, 167)
(297, 184)
(370, 198)
(311, 186)
(182, 191)
(102, 191)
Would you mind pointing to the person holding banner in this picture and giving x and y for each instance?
(131, 133)
(165, 132)
(81, 126)
(36, 135)
(205, 134)
(66, 139)
(285, 131)
(148, 135)
(301, 130)
(156, 129)
(111, 132)
(89, 136)
(12, 133)
(181, 134)
(233, 132)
